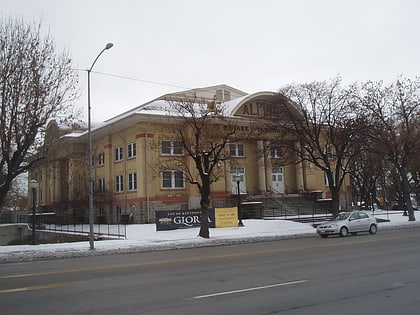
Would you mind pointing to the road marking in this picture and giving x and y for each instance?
(121, 266)
(249, 289)
(41, 287)
(320, 245)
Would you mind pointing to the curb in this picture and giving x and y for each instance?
(40, 255)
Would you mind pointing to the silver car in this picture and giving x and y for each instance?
(348, 222)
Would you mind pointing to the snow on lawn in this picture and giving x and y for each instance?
(144, 237)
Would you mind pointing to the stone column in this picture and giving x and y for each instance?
(299, 173)
(268, 169)
(262, 183)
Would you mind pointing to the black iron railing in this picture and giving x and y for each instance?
(99, 230)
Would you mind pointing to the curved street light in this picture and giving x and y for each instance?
(90, 183)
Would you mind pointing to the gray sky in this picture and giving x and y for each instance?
(252, 45)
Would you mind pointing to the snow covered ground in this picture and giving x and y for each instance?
(144, 238)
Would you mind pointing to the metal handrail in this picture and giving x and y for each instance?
(109, 230)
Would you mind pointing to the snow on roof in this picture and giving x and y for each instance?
(162, 107)
(156, 107)
(73, 134)
(233, 104)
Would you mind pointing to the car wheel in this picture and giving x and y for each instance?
(344, 231)
(324, 235)
(373, 228)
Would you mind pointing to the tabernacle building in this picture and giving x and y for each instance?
(128, 149)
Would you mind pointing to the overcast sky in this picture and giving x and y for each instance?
(252, 45)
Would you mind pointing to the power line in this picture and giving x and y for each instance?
(146, 81)
(136, 79)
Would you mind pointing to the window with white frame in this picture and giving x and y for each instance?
(238, 179)
(101, 185)
(275, 151)
(101, 159)
(131, 150)
(172, 179)
(132, 181)
(118, 154)
(236, 149)
(170, 147)
(119, 183)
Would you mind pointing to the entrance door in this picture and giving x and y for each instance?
(238, 173)
(277, 179)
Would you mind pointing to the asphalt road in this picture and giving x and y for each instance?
(364, 274)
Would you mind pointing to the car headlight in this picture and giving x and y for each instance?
(333, 225)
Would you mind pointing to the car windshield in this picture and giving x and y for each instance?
(341, 216)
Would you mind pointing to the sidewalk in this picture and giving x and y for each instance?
(145, 238)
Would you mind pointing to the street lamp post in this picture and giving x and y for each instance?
(237, 178)
(90, 183)
(34, 184)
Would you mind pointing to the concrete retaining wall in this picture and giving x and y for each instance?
(16, 234)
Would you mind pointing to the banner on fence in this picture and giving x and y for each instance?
(181, 219)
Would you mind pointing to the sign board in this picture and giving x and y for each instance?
(226, 217)
(181, 219)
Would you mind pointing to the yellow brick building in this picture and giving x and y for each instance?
(127, 149)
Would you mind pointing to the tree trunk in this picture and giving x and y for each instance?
(205, 203)
(335, 200)
(406, 194)
(204, 227)
(3, 191)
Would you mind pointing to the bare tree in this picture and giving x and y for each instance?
(203, 130)
(395, 113)
(17, 196)
(367, 173)
(36, 85)
(327, 129)
(414, 168)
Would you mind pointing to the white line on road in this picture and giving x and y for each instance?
(249, 289)
(41, 287)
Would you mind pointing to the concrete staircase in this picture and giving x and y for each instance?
(289, 206)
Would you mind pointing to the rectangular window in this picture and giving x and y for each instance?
(238, 180)
(275, 151)
(236, 149)
(170, 147)
(172, 179)
(101, 185)
(132, 181)
(131, 150)
(101, 159)
(118, 154)
(119, 183)
(222, 95)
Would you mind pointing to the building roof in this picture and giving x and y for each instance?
(159, 107)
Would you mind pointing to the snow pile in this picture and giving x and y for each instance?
(144, 238)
